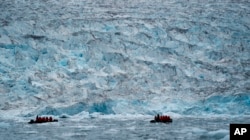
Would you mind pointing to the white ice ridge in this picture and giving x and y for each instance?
(125, 57)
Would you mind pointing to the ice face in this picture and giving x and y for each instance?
(125, 57)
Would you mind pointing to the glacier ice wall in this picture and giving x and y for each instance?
(114, 56)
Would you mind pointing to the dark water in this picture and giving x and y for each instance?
(111, 128)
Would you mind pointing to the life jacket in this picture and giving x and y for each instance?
(165, 118)
(39, 119)
(162, 118)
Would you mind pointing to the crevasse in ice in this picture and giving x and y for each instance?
(125, 57)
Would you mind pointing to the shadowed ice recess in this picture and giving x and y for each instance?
(116, 57)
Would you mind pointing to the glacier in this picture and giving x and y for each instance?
(72, 57)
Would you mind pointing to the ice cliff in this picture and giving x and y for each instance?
(125, 57)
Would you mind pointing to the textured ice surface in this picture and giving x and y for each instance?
(124, 57)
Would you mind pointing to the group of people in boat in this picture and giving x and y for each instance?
(162, 118)
(43, 120)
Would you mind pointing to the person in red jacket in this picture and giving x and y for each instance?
(50, 119)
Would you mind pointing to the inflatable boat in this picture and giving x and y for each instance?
(162, 119)
(42, 120)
